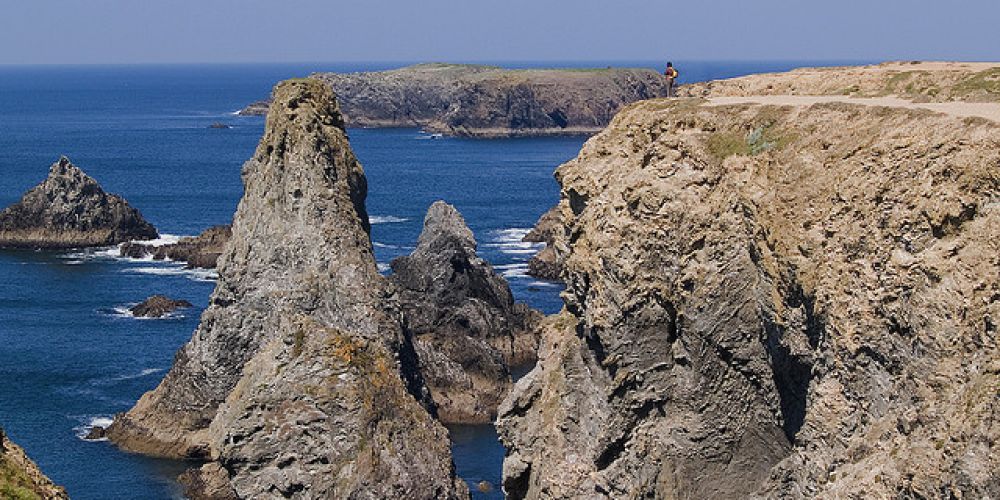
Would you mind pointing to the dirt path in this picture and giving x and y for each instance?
(990, 111)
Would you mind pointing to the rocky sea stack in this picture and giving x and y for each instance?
(765, 301)
(20, 478)
(487, 101)
(158, 306)
(70, 210)
(298, 383)
(468, 331)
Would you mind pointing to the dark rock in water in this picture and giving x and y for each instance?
(157, 306)
(20, 478)
(545, 264)
(219, 125)
(96, 433)
(487, 101)
(484, 486)
(201, 251)
(468, 329)
(300, 381)
(70, 210)
(258, 108)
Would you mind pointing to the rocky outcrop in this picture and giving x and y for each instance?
(916, 81)
(20, 478)
(200, 251)
(158, 306)
(780, 302)
(544, 264)
(487, 101)
(467, 329)
(70, 210)
(299, 381)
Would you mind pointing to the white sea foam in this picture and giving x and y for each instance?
(88, 423)
(386, 219)
(543, 284)
(383, 245)
(383, 267)
(202, 275)
(145, 372)
(114, 252)
(508, 241)
(514, 271)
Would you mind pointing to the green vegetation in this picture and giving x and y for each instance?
(14, 482)
(761, 138)
(983, 82)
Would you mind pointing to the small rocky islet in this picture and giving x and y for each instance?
(760, 302)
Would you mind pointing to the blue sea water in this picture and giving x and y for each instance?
(70, 356)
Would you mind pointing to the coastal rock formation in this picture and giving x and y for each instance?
(917, 81)
(487, 101)
(780, 302)
(20, 478)
(544, 264)
(201, 251)
(158, 306)
(467, 329)
(299, 382)
(70, 210)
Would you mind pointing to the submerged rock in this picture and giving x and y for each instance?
(200, 251)
(298, 382)
(764, 302)
(20, 478)
(158, 306)
(488, 101)
(468, 329)
(70, 210)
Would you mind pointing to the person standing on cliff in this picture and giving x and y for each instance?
(671, 75)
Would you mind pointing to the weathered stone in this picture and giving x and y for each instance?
(487, 101)
(20, 478)
(741, 320)
(158, 306)
(467, 328)
(201, 251)
(299, 381)
(70, 210)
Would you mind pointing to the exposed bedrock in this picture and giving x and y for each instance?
(70, 210)
(487, 101)
(200, 251)
(770, 302)
(299, 381)
(20, 478)
(468, 331)
(544, 264)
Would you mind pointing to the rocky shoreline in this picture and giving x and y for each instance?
(487, 101)
(20, 478)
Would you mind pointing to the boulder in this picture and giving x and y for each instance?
(158, 306)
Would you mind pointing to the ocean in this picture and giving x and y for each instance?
(71, 356)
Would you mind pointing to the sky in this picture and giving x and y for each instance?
(240, 31)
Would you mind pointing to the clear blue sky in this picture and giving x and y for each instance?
(168, 31)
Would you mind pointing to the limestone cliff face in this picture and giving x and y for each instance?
(70, 210)
(774, 302)
(468, 331)
(20, 478)
(486, 101)
(299, 382)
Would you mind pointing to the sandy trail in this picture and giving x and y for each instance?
(990, 111)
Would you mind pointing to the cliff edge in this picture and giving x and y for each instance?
(770, 301)
(20, 478)
(298, 381)
(487, 101)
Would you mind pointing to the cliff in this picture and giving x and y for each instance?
(70, 210)
(299, 381)
(468, 331)
(20, 478)
(486, 101)
(770, 301)
(919, 81)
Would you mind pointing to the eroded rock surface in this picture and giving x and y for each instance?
(299, 382)
(487, 101)
(20, 478)
(468, 331)
(544, 264)
(200, 251)
(70, 210)
(791, 302)
(158, 306)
